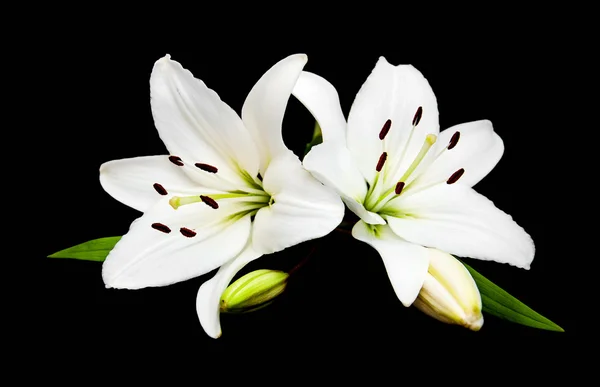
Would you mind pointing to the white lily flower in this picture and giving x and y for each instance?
(229, 192)
(409, 184)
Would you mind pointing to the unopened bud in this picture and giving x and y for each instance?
(253, 291)
(449, 293)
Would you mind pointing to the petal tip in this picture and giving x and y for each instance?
(302, 57)
(408, 301)
(163, 62)
(382, 60)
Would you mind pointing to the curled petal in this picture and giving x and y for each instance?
(303, 208)
(332, 164)
(405, 263)
(322, 100)
(209, 294)
(265, 105)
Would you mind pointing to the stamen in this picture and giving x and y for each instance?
(454, 140)
(455, 176)
(160, 189)
(415, 122)
(381, 161)
(429, 141)
(207, 167)
(176, 160)
(385, 129)
(161, 227)
(259, 176)
(399, 187)
(417, 117)
(209, 201)
(186, 232)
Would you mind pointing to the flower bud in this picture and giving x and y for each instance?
(449, 293)
(253, 291)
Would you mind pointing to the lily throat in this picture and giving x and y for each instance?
(248, 198)
(386, 185)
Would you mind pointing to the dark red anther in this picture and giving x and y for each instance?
(160, 189)
(209, 201)
(385, 129)
(455, 176)
(206, 167)
(454, 140)
(161, 227)
(399, 187)
(186, 232)
(417, 117)
(381, 161)
(176, 160)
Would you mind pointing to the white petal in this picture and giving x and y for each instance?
(304, 209)
(395, 93)
(456, 219)
(265, 105)
(331, 163)
(131, 181)
(478, 151)
(209, 295)
(148, 257)
(405, 263)
(322, 100)
(196, 125)
(364, 214)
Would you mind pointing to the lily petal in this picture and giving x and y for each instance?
(265, 105)
(332, 164)
(456, 219)
(303, 208)
(132, 181)
(165, 246)
(394, 93)
(193, 122)
(322, 100)
(209, 295)
(405, 263)
(478, 151)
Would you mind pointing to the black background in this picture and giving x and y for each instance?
(341, 306)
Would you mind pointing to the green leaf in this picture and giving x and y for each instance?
(317, 138)
(94, 250)
(500, 303)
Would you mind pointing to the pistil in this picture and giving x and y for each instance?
(429, 141)
(211, 201)
(399, 187)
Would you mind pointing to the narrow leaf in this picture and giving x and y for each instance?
(94, 250)
(500, 303)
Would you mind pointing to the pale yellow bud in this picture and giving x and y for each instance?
(253, 291)
(449, 293)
